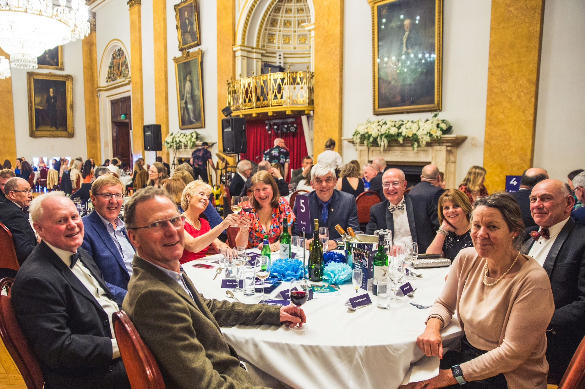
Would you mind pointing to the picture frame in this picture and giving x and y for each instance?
(187, 19)
(51, 59)
(188, 76)
(407, 55)
(50, 113)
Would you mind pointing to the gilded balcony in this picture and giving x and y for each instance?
(272, 93)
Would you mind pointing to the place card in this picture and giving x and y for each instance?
(406, 288)
(360, 301)
(229, 283)
(275, 302)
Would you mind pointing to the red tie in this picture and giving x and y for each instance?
(544, 232)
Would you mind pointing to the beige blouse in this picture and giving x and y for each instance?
(509, 319)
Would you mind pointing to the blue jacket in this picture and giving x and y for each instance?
(98, 243)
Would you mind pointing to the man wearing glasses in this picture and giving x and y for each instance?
(14, 215)
(396, 213)
(106, 238)
(179, 325)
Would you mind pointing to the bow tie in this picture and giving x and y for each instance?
(74, 258)
(544, 232)
(398, 207)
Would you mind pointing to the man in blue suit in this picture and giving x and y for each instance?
(106, 238)
(329, 205)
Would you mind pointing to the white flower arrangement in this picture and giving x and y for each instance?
(382, 132)
(177, 140)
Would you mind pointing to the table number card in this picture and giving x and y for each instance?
(303, 214)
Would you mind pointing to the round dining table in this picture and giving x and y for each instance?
(337, 348)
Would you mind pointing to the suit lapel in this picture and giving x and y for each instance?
(551, 258)
(410, 216)
(388, 216)
(89, 263)
(106, 239)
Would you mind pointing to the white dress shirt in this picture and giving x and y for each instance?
(542, 246)
(402, 234)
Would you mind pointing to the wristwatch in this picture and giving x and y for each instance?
(458, 374)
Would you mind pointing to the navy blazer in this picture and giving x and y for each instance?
(565, 265)
(425, 198)
(382, 218)
(342, 211)
(523, 199)
(16, 220)
(104, 251)
(66, 327)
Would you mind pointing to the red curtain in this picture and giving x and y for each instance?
(259, 140)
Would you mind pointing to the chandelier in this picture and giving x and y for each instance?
(29, 27)
(4, 68)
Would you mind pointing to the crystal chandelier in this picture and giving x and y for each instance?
(4, 68)
(29, 27)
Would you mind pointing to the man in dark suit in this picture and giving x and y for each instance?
(530, 177)
(106, 238)
(397, 212)
(579, 184)
(63, 305)
(330, 205)
(179, 325)
(425, 197)
(5, 175)
(379, 165)
(558, 243)
(302, 173)
(14, 215)
(244, 171)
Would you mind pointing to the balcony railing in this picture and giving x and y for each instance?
(272, 92)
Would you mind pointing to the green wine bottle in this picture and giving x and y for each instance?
(284, 241)
(316, 255)
(380, 265)
(265, 254)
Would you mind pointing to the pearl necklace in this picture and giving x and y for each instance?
(193, 223)
(502, 276)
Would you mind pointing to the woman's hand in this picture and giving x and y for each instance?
(235, 220)
(445, 378)
(430, 341)
(446, 226)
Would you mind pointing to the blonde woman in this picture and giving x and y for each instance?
(140, 175)
(472, 184)
(350, 179)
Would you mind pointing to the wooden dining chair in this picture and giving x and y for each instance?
(15, 341)
(364, 202)
(141, 366)
(574, 377)
(8, 259)
(294, 196)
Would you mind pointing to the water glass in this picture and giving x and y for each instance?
(324, 237)
(357, 278)
(248, 275)
(383, 293)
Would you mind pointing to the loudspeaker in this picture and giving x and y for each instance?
(234, 135)
(152, 137)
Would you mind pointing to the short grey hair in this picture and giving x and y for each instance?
(35, 210)
(12, 184)
(321, 171)
(141, 196)
(244, 165)
(579, 180)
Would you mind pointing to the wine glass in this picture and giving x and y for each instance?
(263, 274)
(395, 273)
(236, 204)
(245, 203)
(299, 293)
(410, 257)
(324, 237)
(356, 278)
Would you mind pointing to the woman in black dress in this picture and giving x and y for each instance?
(454, 212)
(350, 179)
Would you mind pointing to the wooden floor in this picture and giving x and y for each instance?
(10, 377)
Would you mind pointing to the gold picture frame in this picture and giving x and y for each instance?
(188, 76)
(50, 113)
(407, 62)
(187, 19)
(51, 59)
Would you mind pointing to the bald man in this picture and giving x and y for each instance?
(530, 177)
(425, 197)
(558, 244)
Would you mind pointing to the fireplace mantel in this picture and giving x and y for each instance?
(442, 153)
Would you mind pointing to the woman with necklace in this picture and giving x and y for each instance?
(454, 212)
(194, 200)
(504, 304)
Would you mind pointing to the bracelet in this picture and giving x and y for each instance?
(442, 231)
(435, 316)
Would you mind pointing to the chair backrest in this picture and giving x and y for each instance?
(8, 259)
(294, 196)
(574, 377)
(15, 341)
(141, 366)
(364, 202)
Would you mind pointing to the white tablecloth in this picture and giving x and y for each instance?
(368, 348)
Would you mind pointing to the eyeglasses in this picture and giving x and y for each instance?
(328, 180)
(176, 221)
(394, 184)
(29, 190)
(109, 196)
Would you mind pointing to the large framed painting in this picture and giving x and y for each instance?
(187, 16)
(189, 90)
(51, 59)
(50, 105)
(407, 46)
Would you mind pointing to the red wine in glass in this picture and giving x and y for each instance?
(298, 297)
(247, 209)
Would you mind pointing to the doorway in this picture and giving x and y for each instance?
(121, 124)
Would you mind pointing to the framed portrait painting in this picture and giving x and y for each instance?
(189, 90)
(50, 105)
(51, 59)
(187, 17)
(407, 47)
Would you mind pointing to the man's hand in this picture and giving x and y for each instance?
(292, 316)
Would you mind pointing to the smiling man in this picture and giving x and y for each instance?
(179, 325)
(64, 306)
(558, 244)
(106, 238)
